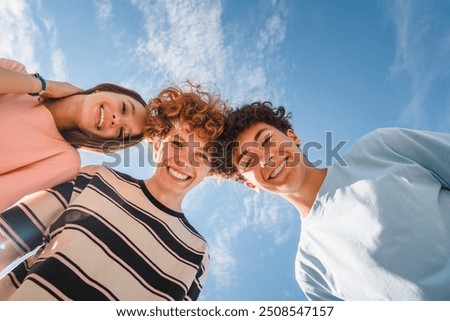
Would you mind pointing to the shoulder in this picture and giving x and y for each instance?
(93, 169)
(380, 134)
(381, 138)
(107, 173)
(396, 134)
(403, 139)
(70, 160)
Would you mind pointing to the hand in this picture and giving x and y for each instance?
(58, 89)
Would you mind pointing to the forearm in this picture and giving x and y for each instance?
(12, 82)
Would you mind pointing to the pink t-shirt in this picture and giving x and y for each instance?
(33, 154)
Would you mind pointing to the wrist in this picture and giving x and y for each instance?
(43, 85)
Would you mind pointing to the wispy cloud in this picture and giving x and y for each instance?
(274, 31)
(104, 11)
(18, 36)
(183, 39)
(59, 66)
(233, 212)
(422, 52)
(50, 34)
(21, 37)
(187, 40)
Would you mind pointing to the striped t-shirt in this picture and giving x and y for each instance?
(105, 237)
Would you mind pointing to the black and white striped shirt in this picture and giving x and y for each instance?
(105, 237)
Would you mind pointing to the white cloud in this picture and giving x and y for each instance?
(19, 33)
(184, 39)
(232, 212)
(422, 53)
(21, 37)
(50, 39)
(187, 40)
(104, 11)
(224, 263)
(59, 65)
(273, 33)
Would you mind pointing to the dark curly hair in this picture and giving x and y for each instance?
(190, 108)
(239, 120)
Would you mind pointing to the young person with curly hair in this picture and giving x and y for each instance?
(44, 122)
(374, 226)
(109, 236)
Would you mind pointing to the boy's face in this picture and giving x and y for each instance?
(182, 161)
(270, 159)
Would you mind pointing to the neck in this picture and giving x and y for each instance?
(168, 198)
(304, 198)
(65, 111)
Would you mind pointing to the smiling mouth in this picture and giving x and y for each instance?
(102, 118)
(278, 170)
(177, 174)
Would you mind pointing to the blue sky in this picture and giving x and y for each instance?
(344, 67)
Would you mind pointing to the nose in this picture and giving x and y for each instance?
(267, 160)
(115, 120)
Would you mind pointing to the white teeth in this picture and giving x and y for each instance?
(102, 117)
(177, 174)
(278, 170)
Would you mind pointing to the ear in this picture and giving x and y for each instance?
(292, 135)
(252, 186)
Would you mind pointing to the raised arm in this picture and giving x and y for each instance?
(14, 79)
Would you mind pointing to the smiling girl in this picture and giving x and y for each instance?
(43, 123)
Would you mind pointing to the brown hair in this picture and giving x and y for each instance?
(82, 140)
(189, 108)
(239, 120)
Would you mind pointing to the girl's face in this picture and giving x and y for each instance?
(111, 115)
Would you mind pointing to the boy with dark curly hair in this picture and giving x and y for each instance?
(109, 236)
(374, 226)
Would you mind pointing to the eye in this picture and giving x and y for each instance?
(266, 140)
(202, 155)
(246, 162)
(124, 108)
(176, 144)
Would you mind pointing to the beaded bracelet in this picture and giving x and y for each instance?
(44, 85)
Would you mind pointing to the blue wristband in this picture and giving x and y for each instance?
(44, 85)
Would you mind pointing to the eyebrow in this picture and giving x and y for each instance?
(180, 139)
(257, 135)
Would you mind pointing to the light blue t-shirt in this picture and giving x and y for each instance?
(380, 226)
